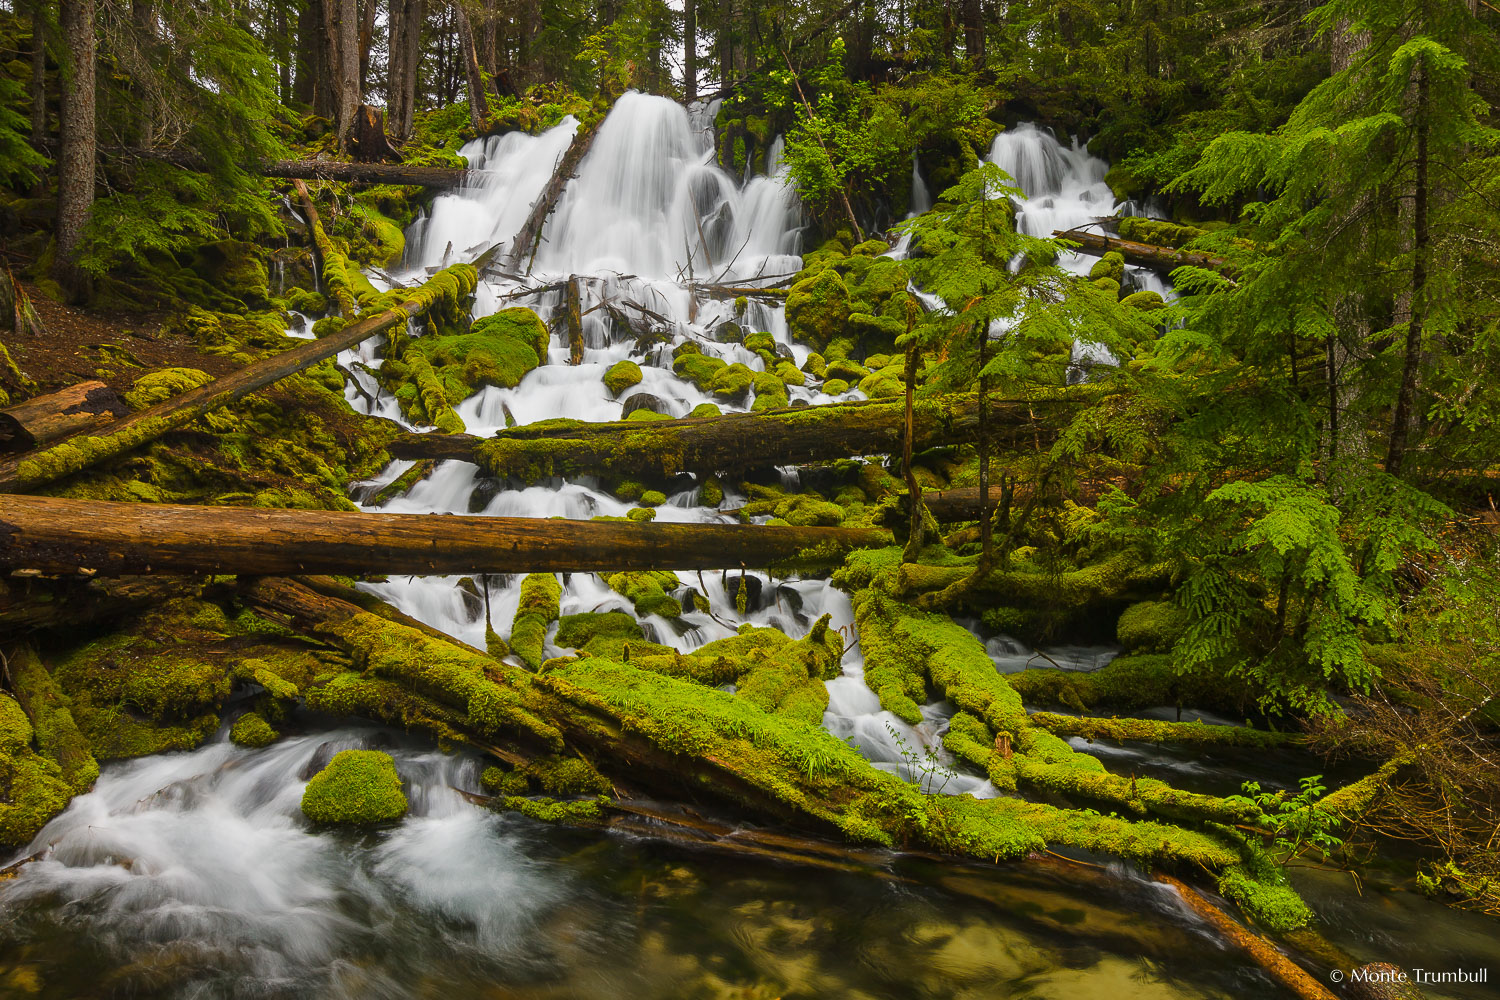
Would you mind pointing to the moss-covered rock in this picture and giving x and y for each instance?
(817, 308)
(253, 731)
(621, 376)
(160, 386)
(1151, 626)
(357, 788)
(648, 591)
(1146, 301)
(1111, 265)
(770, 392)
(598, 633)
(32, 789)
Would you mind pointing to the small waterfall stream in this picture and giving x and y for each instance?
(194, 874)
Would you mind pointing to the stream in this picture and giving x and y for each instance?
(195, 874)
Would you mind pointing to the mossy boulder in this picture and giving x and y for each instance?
(498, 350)
(304, 301)
(538, 608)
(160, 386)
(1111, 265)
(705, 410)
(621, 376)
(1151, 626)
(648, 591)
(357, 788)
(817, 308)
(252, 730)
(32, 788)
(770, 392)
(1147, 301)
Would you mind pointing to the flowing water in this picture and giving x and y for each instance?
(195, 874)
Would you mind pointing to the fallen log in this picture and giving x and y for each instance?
(960, 503)
(731, 443)
(28, 605)
(1163, 259)
(46, 418)
(64, 536)
(366, 173)
(1157, 731)
(526, 239)
(85, 448)
(334, 279)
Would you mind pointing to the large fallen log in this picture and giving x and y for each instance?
(56, 535)
(366, 173)
(730, 443)
(525, 242)
(1163, 259)
(89, 447)
(46, 418)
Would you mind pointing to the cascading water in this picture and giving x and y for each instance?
(195, 874)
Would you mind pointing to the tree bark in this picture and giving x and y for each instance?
(367, 173)
(689, 50)
(566, 168)
(367, 10)
(406, 21)
(47, 418)
(370, 142)
(81, 450)
(143, 19)
(63, 536)
(573, 316)
(960, 503)
(974, 32)
(38, 73)
(1144, 254)
(75, 179)
(307, 53)
(479, 106)
(341, 24)
(322, 248)
(731, 443)
(1404, 415)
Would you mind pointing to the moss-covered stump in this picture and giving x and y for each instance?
(357, 788)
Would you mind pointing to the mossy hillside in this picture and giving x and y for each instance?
(538, 609)
(32, 787)
(357, 788)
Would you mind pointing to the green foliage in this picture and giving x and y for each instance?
(1296, 823)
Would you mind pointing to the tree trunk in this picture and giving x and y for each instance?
(479, 107)
(1164, 259)
(489, 49)
(341, 26)
(56, 535)
(689, 50)
(367, 10)
(960, 503)
(307, 52)
(81, 450)
(573, 316)
(974, 32)
(370, 141)
(731, 443)
(47, 418)
(406, 21)
(143, 19)
(323, 249)
(1404, 416)
(38, 73)
(75, 166)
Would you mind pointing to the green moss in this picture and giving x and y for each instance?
(160, 386)
(711, 492)
(641, 514)
(653, 498)
(57, 735)
(252, 730)
(621, 376)
(1111, 266)
(564, 776)
(815, 366)
(358, 787)
(800, 509)
(1267, 900)
(328, 326)
(705, 410)
(538, 608)
(732, 381)
(1147, 301)
(818, 307)
(1151, 626)
(439, 371)
(1157, 232)
(647, 591)
(306, 302)
(32, 787)
(770, 392)
(1156, 731)
(599, 633)
(579, 812)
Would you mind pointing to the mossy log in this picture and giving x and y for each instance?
(85, 448)
(96, 537)
(733, 442)
(366, 173)
(531, 231)
(1158, 731)
(573, 316)
(331, 264)
(46, 418)
(959, 504)
(1165, 259)
(27, 605)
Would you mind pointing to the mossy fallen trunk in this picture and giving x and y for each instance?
(730, 443)
(1158, 731)
(1160, 258)
(46, 418)
(87, 448)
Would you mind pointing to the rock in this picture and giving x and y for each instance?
(754, 589)
(621, 376)
(644, 401)
(818, 307)
(357, 788)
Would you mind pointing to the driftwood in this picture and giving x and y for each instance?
(525, 241)
(63, 536)
(730, 443)
(85, 448)
(1164, 259)
(47, 418)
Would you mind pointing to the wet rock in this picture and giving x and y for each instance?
(644, 401)
(486, 488)
(754, 588)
